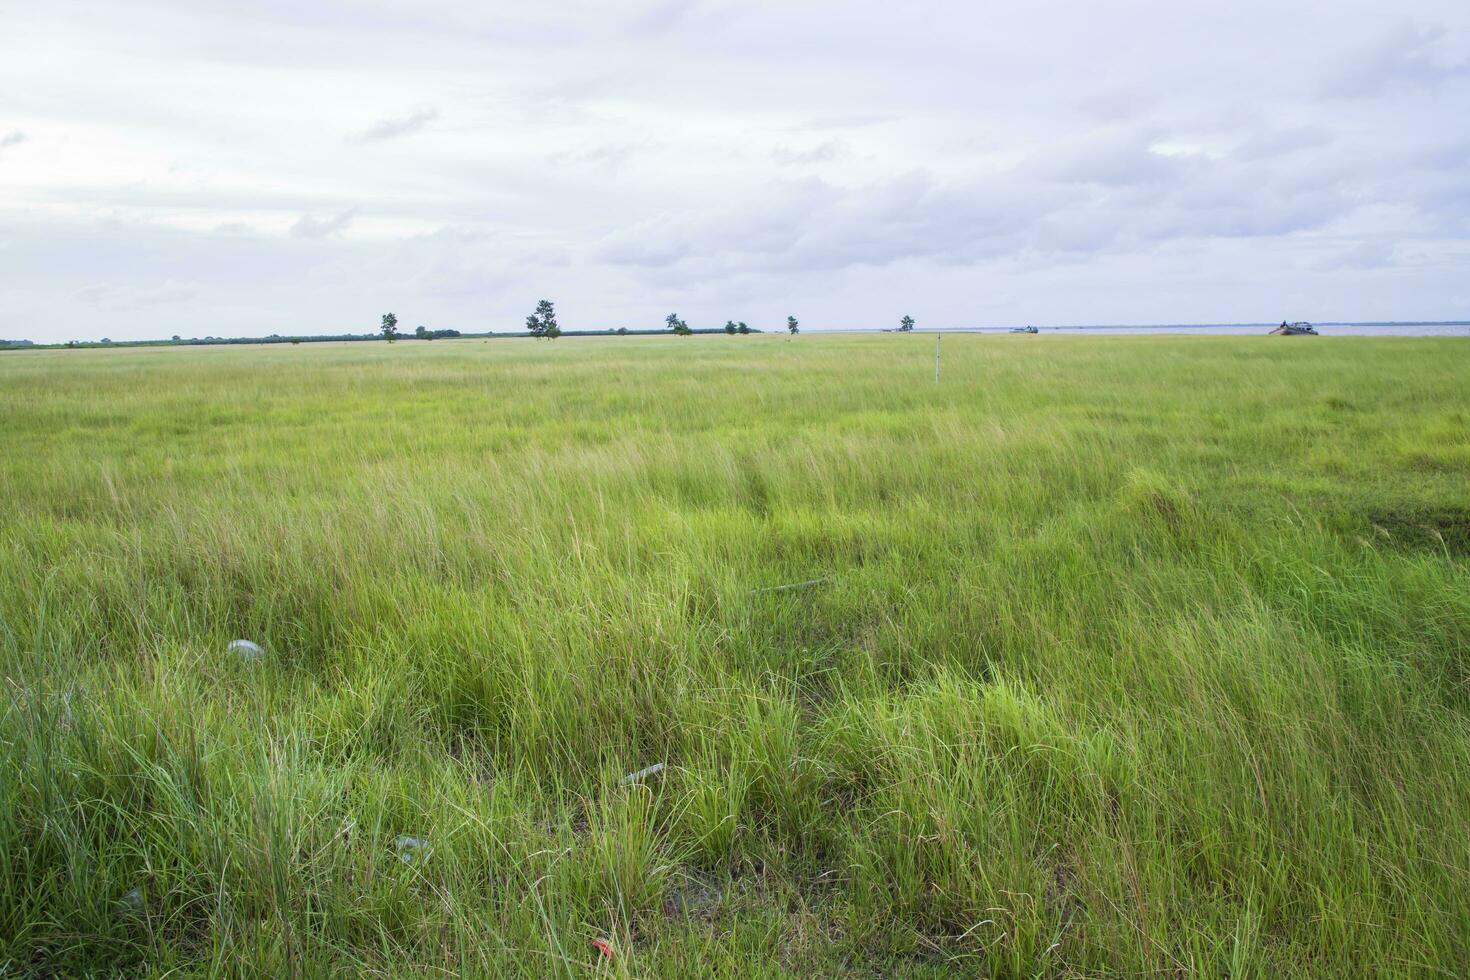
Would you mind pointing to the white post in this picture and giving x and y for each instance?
(936, 358)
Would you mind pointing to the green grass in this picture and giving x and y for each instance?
(1131, 655)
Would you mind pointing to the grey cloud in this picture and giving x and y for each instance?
(821, 153)
(387, 129)
(769, 226)
(1107, 195)
(663, 16)
(848, 121)
(95, 293)
(607, 157)
(1278, 143)
(811, 225)
(126, 297)
(1371, 254)
(1411, 57)
(165, 294)
(1115, 105)
(1109, 160)
(13, 138)
(308, 227)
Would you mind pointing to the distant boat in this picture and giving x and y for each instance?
(1301, 328)
(1024, 330)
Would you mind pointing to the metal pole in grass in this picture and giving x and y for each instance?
(937, 339)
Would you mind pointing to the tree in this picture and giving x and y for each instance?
(906, 324)
(390, 327)
(677, 325)
(792, 325)
(742, 327)
(176, 338)
(542, 323)
(730, 327)
(421, 332)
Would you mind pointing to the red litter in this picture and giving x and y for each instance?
(604, 947)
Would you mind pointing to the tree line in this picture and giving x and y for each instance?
(541, 324)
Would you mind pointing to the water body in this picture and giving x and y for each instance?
(1326, 329)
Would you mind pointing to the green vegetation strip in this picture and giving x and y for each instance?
(1134, 656)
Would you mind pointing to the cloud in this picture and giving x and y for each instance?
(387, 129)
(1111, 105)
(1409, 57)
(13, 138)
(609, 158)
(1366, 255)
(1278, 143)
(845, 121)
(115, 297)
(308, 227)
(662, 17)
(1109, 194)
(812, 225)
(821, 153)
(1110, 161)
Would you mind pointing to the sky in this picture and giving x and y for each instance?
(241, 169)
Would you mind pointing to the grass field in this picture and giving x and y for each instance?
(1128, 656)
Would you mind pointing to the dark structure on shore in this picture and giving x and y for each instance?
(1299, 329)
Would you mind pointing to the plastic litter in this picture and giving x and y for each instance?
(604, 947)
(247, 651)
(794, 585)
(411, 850)
(642, 774)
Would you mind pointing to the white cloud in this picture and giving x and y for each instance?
(823, 152)
(387, 129)
(308, 227)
